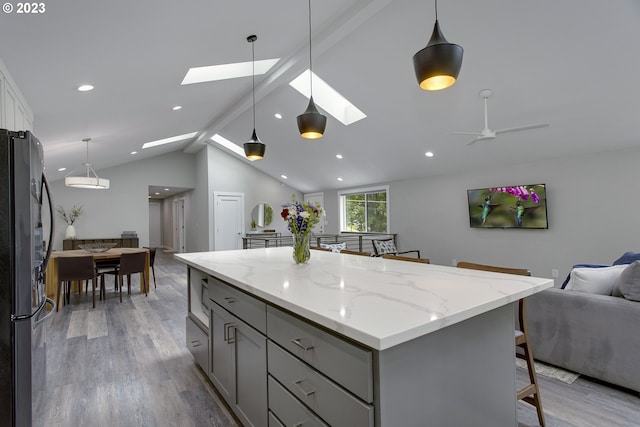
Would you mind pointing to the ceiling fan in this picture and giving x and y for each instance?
(487, 134)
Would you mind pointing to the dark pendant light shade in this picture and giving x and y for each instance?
(437, 65)
(254, 148)
(311, 123)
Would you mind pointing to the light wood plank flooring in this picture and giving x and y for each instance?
(127, 365)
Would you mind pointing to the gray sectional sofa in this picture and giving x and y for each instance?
(592, 334)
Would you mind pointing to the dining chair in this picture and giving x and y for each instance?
(130, 263)
(75, 269)
(152, 259)
(406, 258)
(388, 246)
(531, 392)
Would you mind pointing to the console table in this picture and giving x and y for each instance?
(348, 340)
(72, 244)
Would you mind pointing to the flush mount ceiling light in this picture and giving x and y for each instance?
(311, 123)
(254, 148)
(438, 64)
(90, 180)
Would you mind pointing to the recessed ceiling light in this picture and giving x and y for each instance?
(169, 140)
(177, 107)
(134, 152)
(327, 98)
(428, 154)
(157, 194)
(166, 189)
(283, 176)
(228, 145)
(338, 156)
(278, 115)
(227, 71)
(62, 169)
(339, 179)
(85, 88)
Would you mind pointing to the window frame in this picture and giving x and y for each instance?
(362, 190)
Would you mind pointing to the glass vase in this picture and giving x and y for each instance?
(301, 252)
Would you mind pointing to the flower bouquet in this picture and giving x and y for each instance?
(300, 218)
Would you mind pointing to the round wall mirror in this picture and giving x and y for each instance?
(262, 215)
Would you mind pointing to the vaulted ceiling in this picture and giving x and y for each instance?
(571, 63)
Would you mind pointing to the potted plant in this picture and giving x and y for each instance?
(69, 219)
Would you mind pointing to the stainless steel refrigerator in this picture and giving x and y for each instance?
(24, 306)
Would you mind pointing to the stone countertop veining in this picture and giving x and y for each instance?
(377, 302)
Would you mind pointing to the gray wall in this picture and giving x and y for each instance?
(592, 206)
(125, 206)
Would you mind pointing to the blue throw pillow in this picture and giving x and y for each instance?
(627, 258)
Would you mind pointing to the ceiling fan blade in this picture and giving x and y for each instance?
(519, 128)
(464, 133)
(473, 141)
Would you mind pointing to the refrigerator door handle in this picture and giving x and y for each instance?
(51, 228)
(52, 303)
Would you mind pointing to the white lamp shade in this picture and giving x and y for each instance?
(90, 182)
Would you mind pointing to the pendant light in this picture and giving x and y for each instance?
(311, 123)
(91, 180)
(254, 148)
(438, 64)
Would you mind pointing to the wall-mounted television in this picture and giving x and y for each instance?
(517, 206)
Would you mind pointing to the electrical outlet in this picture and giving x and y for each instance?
(555, 272)
(454, 262)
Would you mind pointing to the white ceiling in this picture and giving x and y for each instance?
(572, 63)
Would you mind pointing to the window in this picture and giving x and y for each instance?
(364, 210)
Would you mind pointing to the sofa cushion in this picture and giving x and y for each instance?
(594, 280)
(628, 283)
(335, 247)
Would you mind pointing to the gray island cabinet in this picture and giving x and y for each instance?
(354, 341)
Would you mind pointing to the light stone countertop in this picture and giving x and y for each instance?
(377, 302)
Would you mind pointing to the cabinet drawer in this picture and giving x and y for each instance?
(246, 307)
(288, 409)
(273, 421)
(331, 402)
(344, 362)
(198, 344)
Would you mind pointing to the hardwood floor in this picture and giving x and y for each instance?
(127, 365)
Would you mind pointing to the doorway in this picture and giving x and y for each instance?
(155, 225)
(179, 238)
(228, 220)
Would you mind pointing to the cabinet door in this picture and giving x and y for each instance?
(251, 374)
(222, 369)
(239, 366)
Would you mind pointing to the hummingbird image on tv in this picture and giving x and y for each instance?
(487, 208)
(521, 211)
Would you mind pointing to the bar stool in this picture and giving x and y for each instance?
(531, 392)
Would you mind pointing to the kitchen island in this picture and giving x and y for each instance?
(351, 340)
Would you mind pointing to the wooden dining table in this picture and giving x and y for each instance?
(110, 255)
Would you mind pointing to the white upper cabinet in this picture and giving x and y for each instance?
(15, 114)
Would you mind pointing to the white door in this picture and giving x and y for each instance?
(179, 238)
(228, 220)
(155, 225)
(317, 198)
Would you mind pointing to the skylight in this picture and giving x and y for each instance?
(169, 140)
(228, 144)
(226, 71)
(328, 98)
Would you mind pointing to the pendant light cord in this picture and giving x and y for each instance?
(253, 82)
(436, 10)
(310, 63)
